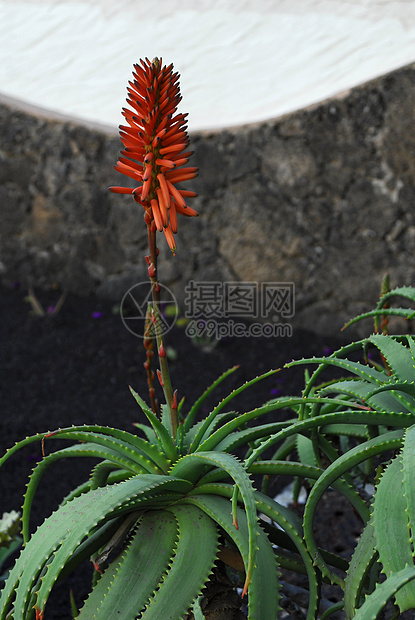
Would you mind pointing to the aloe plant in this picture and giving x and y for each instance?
(367, 414)
(149, 500)
(161, 509)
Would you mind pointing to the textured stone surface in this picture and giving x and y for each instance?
(322, 198)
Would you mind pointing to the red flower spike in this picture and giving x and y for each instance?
(162, 351)
(155, 141)
(159, 377)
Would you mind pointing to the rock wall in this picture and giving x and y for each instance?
(323, 198)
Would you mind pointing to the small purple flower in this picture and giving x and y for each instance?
(327, 351)
(275, 392)
(34, 457)
(51, 310)
(97, 315)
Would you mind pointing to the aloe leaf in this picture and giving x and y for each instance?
(190, 567)
(406, 313)
(185, 468)
(411, 344)
(91, 545)
(128, 583)
(376, 601)
(390, 521)
(355, 416)
(115, 475)
(165, 419)
(263, 597)
(306, 451)
(160, 430)
(148, 432)
(220, 419)
(102, 471)
(207, 422)
(408, 467)
(70, 524)
(221, 434)
(361, 564)
(408, 292)
(391, 397)
(389, 441)
(300, 470)
(126, 443)
(346, 430)
(356, 388)
(397, 356)
(197, 609)
(405, 291)
(357, 368)
(284, 518)
(87, 449)
(241, 438)
(191, 416)
(354, 347)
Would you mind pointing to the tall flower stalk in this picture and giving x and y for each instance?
(155, 142)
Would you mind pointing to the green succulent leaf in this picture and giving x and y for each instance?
(357, 416)
(190, 567)
(200, 435)
(357, 368)
(221, 436)
(391, 526)
(389, 441)
(407, 292)
(408, 467)
(157, 559)
(263, 597)
(160, 430)
(398, 357)
(376, 601)
(45, 555)
(130, 580)
(191, 466)
(362, 564)
(191, 416)
(126, 444)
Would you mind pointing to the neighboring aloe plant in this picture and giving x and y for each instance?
(332, 429)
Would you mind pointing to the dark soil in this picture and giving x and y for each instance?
(75, 368)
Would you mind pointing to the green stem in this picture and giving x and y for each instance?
(164, 369)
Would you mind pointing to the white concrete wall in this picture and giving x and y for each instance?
(241, 61)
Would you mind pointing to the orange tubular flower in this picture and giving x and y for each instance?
(155, 143)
